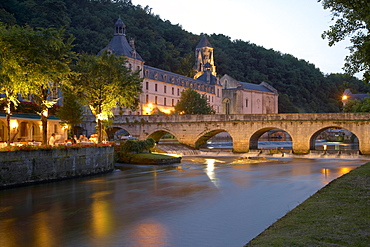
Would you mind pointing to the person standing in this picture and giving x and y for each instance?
(52, 140)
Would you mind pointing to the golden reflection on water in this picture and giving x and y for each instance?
(150, 233)
(101, 214)
(325, 171)
(43, 234)
(344, 170)
(7, 236)
(328, 172)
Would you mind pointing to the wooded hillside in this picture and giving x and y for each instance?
(302, 87)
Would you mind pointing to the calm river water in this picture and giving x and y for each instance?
(204, 201)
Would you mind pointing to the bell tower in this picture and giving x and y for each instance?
(204, 58)
(119, 28)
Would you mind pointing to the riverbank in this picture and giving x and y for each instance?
(337, 215)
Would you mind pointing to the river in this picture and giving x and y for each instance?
(204, 201)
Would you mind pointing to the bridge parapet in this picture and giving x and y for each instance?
(131, 119)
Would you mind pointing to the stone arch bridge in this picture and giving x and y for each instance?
(245, 130)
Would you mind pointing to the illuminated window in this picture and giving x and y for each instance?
(23, 129)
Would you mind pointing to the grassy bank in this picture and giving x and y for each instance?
(337, 215)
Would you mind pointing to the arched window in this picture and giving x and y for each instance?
(226, 106)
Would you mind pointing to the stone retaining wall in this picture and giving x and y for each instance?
(23, 167)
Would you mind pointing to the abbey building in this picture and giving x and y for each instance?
(162, 89)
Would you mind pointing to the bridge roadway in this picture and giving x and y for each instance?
(245, 130)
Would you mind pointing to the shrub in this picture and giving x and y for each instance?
(136, 146)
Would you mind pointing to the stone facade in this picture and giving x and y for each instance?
(24, 167)
(248, 98)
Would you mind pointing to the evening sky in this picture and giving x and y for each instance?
(288, 26)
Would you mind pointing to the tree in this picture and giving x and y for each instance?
(71, 112)
(104, 82)
(12, 76)
(48, 57)
(357, 105)
(192, 102)
(31, 61)
(352, 19)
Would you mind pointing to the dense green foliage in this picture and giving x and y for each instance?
(357, 105)
(352, 19)
(32, 62)
(191, 102)
(302, 86)
(136, 146)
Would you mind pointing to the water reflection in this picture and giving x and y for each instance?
(287, 145)
(204, 201)
(149, 233)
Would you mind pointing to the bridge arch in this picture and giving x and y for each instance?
(205, 137)
(115, 132)
(158, 134)
(316, 134)
(253, 140)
